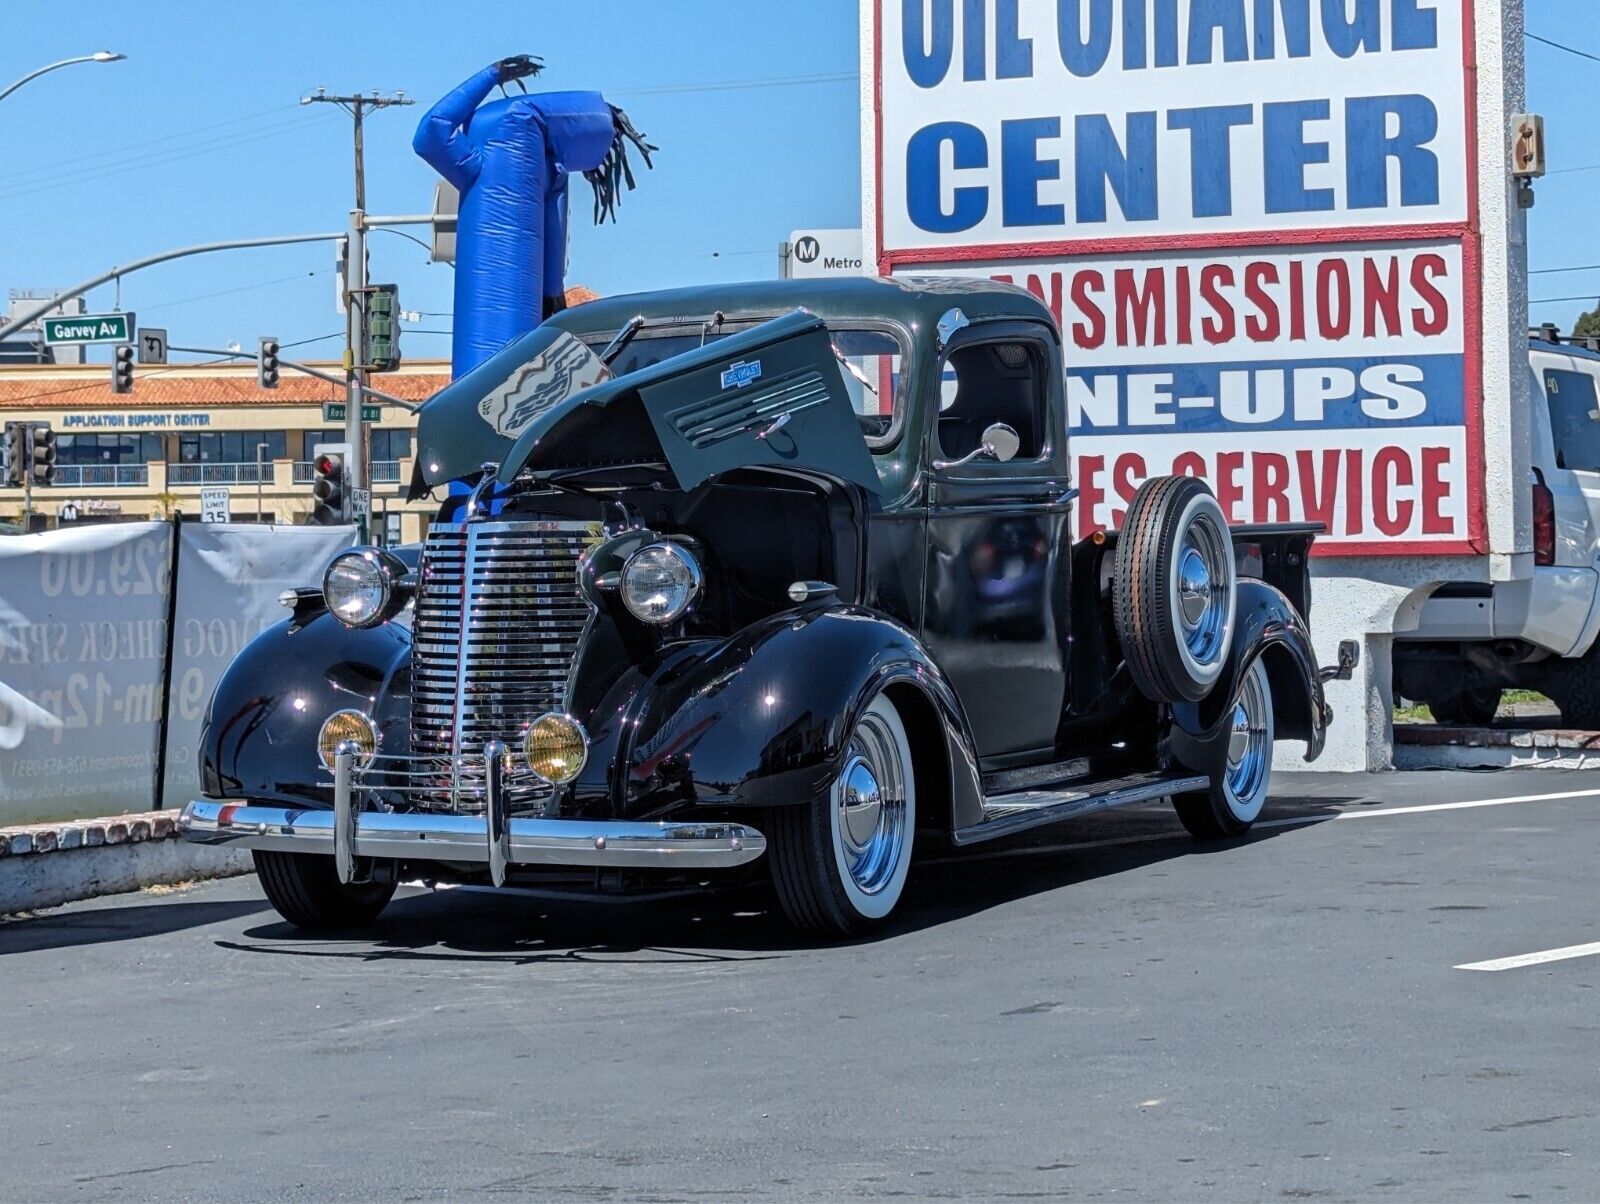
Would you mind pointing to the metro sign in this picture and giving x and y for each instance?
(89, 328)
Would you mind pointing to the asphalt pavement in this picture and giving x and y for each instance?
(1099, 1010)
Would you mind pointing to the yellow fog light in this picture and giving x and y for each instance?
(352, 726)
(556, 748)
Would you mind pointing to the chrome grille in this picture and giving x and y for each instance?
(498, 617)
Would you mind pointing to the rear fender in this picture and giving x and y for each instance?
(763, 719)
(1268, 628)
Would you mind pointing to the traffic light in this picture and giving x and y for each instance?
(267, 363)
(122, 369)
(41, 456)
(329, 486)
(382, 350)
(13, 440)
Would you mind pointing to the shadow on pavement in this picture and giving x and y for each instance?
(741, 924)
(97, 925)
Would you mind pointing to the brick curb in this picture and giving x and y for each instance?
(47, 864)
(1434, 735)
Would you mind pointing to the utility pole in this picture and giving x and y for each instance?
(355, 283)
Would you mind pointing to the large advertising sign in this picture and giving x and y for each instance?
(83, 638)
(86, 647)
(1252, 219)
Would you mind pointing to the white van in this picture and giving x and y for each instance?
(1475, 640)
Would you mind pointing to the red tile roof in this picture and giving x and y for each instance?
(55, 387)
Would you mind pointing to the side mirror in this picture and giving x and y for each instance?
(1000, 442)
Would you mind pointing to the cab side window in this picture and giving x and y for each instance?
(985, 383)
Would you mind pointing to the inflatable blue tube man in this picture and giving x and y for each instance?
(510, 160)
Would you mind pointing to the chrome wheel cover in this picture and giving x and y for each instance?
(873, 811)
(1250, 747)
(1202, 593)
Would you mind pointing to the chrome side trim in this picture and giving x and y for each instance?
(438, 836)
(1005, 814)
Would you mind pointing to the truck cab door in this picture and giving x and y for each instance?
(997, 580)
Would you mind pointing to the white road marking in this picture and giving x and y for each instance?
(1535, 959)
(1292, 821)
(1461, 806)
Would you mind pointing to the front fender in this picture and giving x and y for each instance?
(763, 718)
(1268, 626)
(259, 739)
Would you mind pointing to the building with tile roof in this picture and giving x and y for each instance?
(185, 427)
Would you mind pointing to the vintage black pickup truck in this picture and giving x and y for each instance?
(774, 578)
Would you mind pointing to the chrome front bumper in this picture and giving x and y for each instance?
(422, 837)
(495, 838)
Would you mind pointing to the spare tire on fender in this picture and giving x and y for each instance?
(1174, 592)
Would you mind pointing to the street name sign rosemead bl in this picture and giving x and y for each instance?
(334, 411)
(1257, 226)
(89, 328)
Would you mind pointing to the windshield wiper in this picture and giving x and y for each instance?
(622, 338)
(850, 367)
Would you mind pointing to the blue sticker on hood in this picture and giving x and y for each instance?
(741, 374)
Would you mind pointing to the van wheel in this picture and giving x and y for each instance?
(1470, 708)
(839, 864)
(1173, 590)
(1238, 790)
(305, 889)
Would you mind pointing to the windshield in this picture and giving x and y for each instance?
(874, 353)
(1574, 419)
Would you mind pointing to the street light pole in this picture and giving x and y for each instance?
(355, 284)
(260, 447)
(99, 56)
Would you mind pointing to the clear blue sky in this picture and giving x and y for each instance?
(738, 168)
(198, 136)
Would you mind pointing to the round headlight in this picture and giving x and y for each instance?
(556, 748)
(358, 587)
(351, 726)
(661, 582)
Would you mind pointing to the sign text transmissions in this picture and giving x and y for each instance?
(1323, 385)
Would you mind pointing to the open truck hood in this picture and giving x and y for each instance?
(768, 396)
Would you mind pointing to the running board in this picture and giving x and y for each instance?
(1005, 814)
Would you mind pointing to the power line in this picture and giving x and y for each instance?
(739, 85)
(1561, 171)
(403, 234)
(123, 148)
(1582, 54)
(1582, 267)
(243, 288)
(139, 164)
(100, 384)
(1595, 297)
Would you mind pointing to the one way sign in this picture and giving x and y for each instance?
(152, 345)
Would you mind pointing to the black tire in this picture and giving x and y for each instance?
(1174, 523)
(1470, 708)
(1233, 801)
(1574, 686)
(305, 889)
(809, 843)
